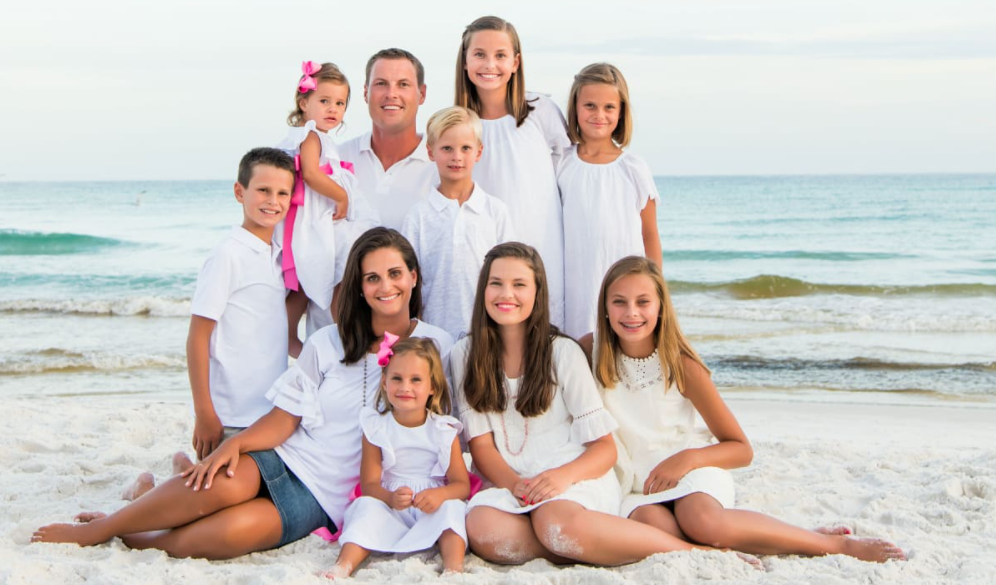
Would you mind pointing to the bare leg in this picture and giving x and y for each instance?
(169, 505)
(569, 530)
(452, 548)
(506, 539)
(231, 532)
(180, 462)
(145, 482)
(833, 530)
(349, 559)
(704, 520)
(297, 304)
(660, 517)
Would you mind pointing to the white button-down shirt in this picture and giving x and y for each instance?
(451, 241)
(392, 192)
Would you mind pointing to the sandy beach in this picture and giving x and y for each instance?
(922, 476)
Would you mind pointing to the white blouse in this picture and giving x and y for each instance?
(558, 436)
(602, 224)
(518, 166)
(324, 451)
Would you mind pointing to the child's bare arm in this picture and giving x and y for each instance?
(371, 471)
(651, 237)
(208, 429)
(457, 488)
(311, 154)
(491, 464)
(733, 449)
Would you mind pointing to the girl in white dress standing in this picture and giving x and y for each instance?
(327, 211)
(609, 196)
(675, 474)
(412, 473)
(524, 136)
(537, 431)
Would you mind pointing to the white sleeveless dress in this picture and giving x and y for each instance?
(653, 425)
(417, 458)
(322, 245)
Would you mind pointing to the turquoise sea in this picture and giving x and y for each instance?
(878, 289)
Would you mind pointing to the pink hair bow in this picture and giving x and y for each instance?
(308, 82)
(384, 353)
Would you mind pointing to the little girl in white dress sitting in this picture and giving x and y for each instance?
(412, 472)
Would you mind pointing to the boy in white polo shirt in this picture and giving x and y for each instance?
(237, 344)
(456, 224)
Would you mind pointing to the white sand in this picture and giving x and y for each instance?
(924, 477)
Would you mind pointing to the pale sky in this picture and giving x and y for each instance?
(114, 89)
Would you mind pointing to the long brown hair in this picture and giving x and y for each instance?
(328, 72)
(515, 89)
(425, 348)
(484, 384)
(672, 345)
(593, 74)
(355, 316)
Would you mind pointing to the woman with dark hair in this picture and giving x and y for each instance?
(292, 471)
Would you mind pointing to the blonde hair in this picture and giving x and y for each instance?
(515, 89)
(425, 348)
(328, 72)
(451, 117)
(609, 75)
(672, 346)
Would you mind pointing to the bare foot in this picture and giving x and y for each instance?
(86, 534)
(145, 482)
(751, 560)
(833, 530)
(84, 517)
(181, 462)
(872, 549)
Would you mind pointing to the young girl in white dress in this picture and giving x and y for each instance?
(327, 211)
(524, 136)
(609, 196)
(675, 473)
(537, 431)
(412, 474)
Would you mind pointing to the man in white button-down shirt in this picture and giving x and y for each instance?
(391, 162)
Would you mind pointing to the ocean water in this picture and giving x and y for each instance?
(878, 289)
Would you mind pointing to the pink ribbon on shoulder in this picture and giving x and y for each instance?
(287, 263)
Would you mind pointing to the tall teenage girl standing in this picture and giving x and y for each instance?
(524, 137)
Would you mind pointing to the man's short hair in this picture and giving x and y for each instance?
(395, 53)
(263, 156)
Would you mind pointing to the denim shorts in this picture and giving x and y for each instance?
(300, 513)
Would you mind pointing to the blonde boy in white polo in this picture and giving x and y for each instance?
(237, 344)
(456, 224)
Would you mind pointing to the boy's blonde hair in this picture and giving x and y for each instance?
(328, 72)
(450, 117)
(594, 74)
(515, 91)
(425, 348)
(672, 345)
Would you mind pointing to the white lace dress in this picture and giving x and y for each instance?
(322, 245)
(558, 436)
(653, 425)
(417, 458)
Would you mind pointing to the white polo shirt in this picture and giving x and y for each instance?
(394, 191)
(241, 287)
(451, 241)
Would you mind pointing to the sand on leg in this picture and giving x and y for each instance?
(504, 538)
(169, 505)
(706, 521)
(349, 559)
(570, 530)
